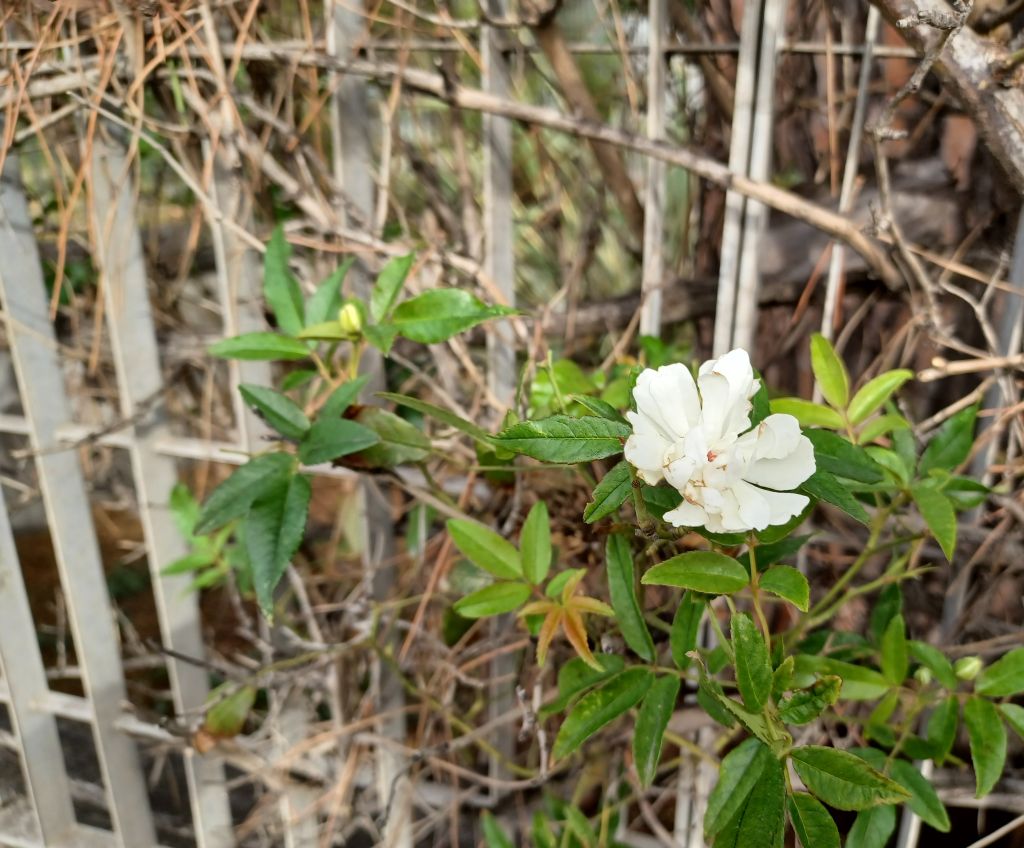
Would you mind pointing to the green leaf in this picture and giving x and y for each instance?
(761, 819)
(273, 532)
(598, 407)
(227, 716)
(739, 772)
(1004, 677)
(685, 625)
(542, 833)
(400, 441)
(610, 493)
(753, 668)
(965, 493)
(876, 392)
(297, 379)
(439, 314)
(441, 414)
(807, 413)
(760, 405)
(830, 372)
(655, 711)
(576, 676)
(381, 336)
(557, 583)
(389, 283)
(923, 799)
(1014, 716)
(788, 583)
(888, 605)
(825, 487)
(494, 836)
(880, 426)
(859, 682)
(951, 445)
(188, 563)
(894, 651)
(844, 781)
(562, 438)
(987, 735)
(941, 728)
(184, 509)
(767, 730)
(493, 600)
(782, 677)
(622, 590)
(836, 455)
(330, 438)
(485, 548)
(259, 346)
(280, 288)
(938, 514)
(936, 662)
(767, 553)
(600, 707)
(814, 825)
(343, 397)
(577, 825)
(232, 498)
(280, 412)
(702, 571)
(805, 705)
(535, 544)
(872, 828)
(325, 302)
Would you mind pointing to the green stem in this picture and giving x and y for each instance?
(755, 591)
(869, 550)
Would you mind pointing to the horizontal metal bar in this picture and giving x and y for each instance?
(179, 447)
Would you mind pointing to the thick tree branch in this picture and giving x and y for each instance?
(968, 67)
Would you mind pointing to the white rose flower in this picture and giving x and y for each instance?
(697, 437)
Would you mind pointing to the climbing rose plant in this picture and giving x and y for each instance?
(703, 488)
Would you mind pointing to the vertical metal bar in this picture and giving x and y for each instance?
(739, 163)
(652, 278)
(835, 265)
(34, 350)
(354, 175)
(22, 667)
(653, 237)
(756, 214)
(499, 266)
(499, 232)
(137, 363)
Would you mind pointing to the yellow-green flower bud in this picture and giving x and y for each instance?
(350, 319)
(923, 675)
(967, 668)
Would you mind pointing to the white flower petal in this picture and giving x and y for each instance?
(726, 385)
(679, 472)
(784, 505)
(668, 396)
(753, 510)
(687, 515)
(646, 448)
(786, 472)
(777, 436)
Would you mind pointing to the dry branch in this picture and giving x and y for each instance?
(436, 85)
(969, 67)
